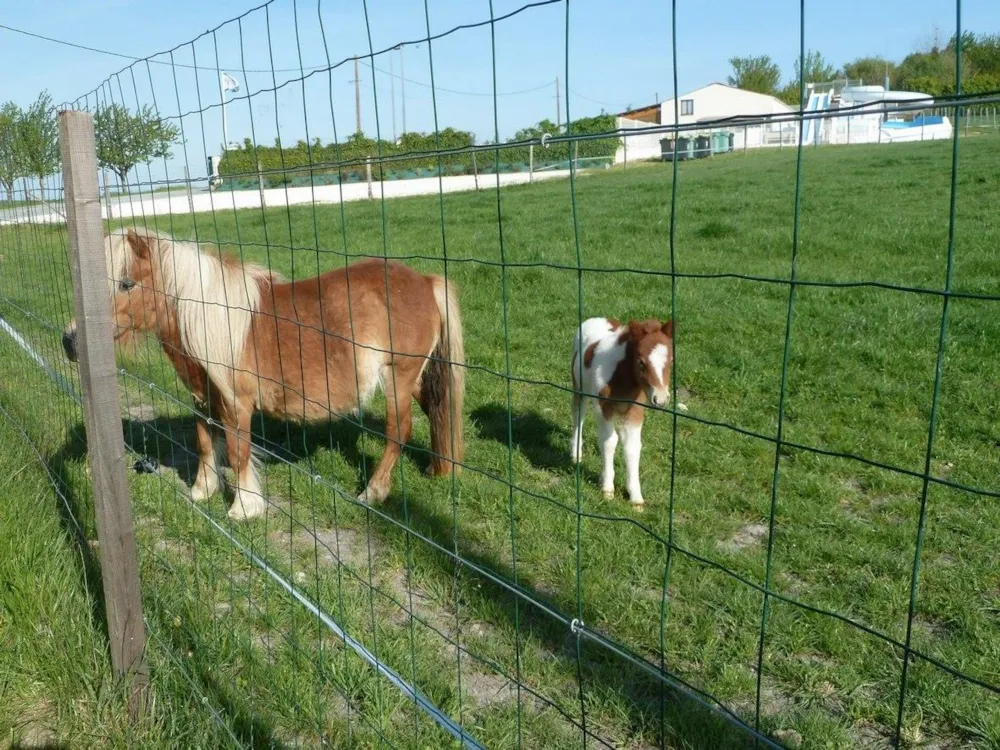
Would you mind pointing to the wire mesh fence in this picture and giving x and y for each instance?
(814, 556)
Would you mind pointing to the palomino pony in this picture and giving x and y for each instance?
(624, 368)
(242, 340)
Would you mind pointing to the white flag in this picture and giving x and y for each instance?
(229, 83)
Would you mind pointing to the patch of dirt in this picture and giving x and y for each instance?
(37, 737)
(931, 626)
(870, 737)
(32, 729)
(814, 660)
(485, 688)
(788, 737)
(852, 484)
(791, 584)
(747, 536)
(141, 412)
(332, 546)
(173, 548)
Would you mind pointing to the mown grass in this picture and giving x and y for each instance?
(860, 382)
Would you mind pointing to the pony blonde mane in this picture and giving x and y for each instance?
(214, 297)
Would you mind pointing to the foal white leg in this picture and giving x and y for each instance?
(632, 437)
(609, 444)
(576, 446)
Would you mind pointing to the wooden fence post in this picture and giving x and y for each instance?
(475, 170)
(101, 406)
(531, 162)
(368, 175)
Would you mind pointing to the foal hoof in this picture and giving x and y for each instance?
(639, 507)
(609, 494)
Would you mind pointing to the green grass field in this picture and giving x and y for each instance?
(230, 644)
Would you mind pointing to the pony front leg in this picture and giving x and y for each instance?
(632, 437)
(609, 444)
(249, 501)
(398, 426)
(207, 481)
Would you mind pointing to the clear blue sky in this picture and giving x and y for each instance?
(619, 55)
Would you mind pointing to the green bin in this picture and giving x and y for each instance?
(685, 149)
(702, 147)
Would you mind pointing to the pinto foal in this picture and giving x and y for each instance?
(624, 368)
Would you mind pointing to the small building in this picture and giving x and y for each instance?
(707, 105)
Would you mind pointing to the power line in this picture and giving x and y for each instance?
(310, 68)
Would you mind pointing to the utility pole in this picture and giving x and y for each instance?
(558, 108)
(402, 85)
(392, 93)
(357, 96)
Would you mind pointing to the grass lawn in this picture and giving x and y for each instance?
(857, 402)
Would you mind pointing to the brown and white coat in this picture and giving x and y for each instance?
(624, 368)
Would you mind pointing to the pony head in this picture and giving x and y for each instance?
(135, 308)
(654, 353)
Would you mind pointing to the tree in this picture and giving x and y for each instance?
(125, 139)
(38, 139)
(789, 93)
(817, 69)
(930, 72)
(11, 159)
(760, 74)
(870, 70)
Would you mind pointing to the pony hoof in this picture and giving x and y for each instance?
(609, 494)
(371, 495)
(247, 506)
(200, 493)
(639, 507)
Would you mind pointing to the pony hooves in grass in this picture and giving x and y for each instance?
(247, 505)
(638, 507)
(201, 491)
(609, 494)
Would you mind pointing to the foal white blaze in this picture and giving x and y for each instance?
(623, 367)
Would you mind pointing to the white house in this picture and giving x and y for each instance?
(710, 103)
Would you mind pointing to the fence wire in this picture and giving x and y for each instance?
(508, 605)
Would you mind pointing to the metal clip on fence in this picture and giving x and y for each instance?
(544, 140)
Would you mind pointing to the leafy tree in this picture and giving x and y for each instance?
(817, 69)
(11, 160)
(870, 70)
(125, 139)
(38, 139)
(789, 93)
(760, 74)
(930, 72)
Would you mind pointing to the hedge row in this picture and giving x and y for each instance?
(279, 164)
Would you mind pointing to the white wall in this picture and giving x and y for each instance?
(716, 101)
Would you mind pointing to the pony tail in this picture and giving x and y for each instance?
(442, 391)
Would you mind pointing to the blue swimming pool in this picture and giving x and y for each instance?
(917, 122)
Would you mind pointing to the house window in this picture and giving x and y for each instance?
(687, 107)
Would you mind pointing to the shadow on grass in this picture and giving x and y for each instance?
(685, 722)
(171, 441)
